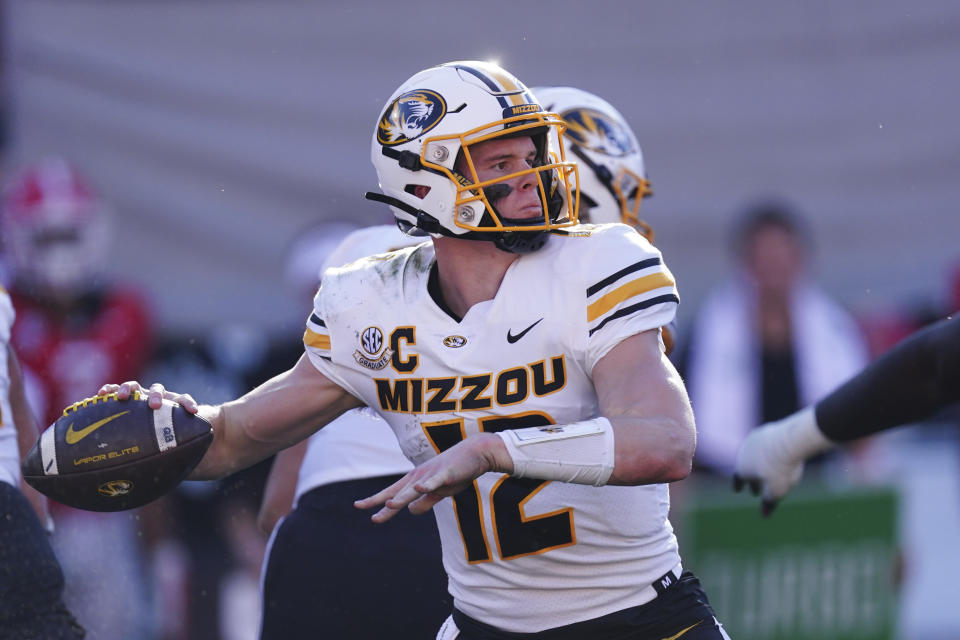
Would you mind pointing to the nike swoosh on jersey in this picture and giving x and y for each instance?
(73, 437)
(674, 637)
(513, 338)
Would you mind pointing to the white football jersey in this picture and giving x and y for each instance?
(9, 453)
(358, 444)
(521, 554)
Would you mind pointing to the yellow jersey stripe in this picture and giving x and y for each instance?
(316, 340)
(629, 290)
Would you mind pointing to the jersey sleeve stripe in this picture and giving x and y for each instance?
(606, 282)
(316, 340)
(629, 290)
(315, 319)
(669, 297)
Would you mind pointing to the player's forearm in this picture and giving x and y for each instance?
(280, 412)
(652, 450)
(621, 451)
(244, 435)
(219, 459)
(909, 383)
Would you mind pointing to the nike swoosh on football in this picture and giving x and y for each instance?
(73, 437)
(513, 338)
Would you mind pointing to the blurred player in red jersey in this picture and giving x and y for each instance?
(75, 329)
(56, 238)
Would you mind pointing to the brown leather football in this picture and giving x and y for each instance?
(106, 454)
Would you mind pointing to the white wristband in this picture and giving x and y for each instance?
(801, 437)
(579, 452)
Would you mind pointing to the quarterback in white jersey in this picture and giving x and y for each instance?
(518, 359)
(556, 547)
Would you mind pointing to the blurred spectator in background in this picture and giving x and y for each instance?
(307, 591)
(768, 341)
(75, 330)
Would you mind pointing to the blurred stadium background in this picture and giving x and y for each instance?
(220, 129)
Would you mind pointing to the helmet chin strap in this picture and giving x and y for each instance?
(520, 241)
(513, 241)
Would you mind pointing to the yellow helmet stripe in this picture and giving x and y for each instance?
(510, 87)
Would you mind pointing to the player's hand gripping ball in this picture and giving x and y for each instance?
(105, 454)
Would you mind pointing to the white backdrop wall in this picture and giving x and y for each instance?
(219, 129)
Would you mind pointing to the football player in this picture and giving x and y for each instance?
(31, 580)
(519, 361)
(909, 383)
(613, 176)
(320, 477)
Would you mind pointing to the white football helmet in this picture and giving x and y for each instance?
(55, 229)
(613, 178)
(422, 153)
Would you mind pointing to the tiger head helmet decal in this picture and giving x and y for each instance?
(410, 116)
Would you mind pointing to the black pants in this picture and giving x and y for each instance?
(31, 582)
(333, 574)
(681, 611)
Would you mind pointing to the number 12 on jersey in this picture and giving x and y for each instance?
(516, 533)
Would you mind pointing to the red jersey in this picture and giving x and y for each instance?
(66, 357)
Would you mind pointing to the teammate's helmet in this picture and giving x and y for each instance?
(422, 153)
(54, 228)
(613, 178)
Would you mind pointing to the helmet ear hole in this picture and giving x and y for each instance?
(417, 190)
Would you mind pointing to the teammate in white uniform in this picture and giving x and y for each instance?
(321, 476)
(31, 581)
(613, 175)
(518, 359)
(358, 444)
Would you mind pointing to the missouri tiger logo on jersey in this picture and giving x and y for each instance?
(597, 132)
(454, 342)
(410, 116)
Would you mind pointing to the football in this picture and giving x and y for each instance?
(106, 454)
